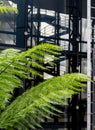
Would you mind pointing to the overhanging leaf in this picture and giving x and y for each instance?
(41, 99)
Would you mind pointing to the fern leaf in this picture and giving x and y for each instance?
(6, 9)
(16, 65)
(40, 101)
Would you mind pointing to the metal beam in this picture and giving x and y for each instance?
(89, 64)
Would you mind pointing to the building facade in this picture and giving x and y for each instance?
(65, 23)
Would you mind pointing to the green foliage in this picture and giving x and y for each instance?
(37, 103)
(15, 66)
(5, 9)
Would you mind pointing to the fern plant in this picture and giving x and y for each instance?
(37, 103)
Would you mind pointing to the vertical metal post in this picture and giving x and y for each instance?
(75, 39)
(21, 23)
(93, 93)
(38, 21)
(89, 64)
(57, 30)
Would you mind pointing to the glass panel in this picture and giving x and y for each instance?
(7, 39)
(7, 26)
(84, 29)
(7, 22)
(64, 26)
(84, 65)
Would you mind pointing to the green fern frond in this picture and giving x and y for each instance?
(40, 101)
(6, 9)
(15, 65)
